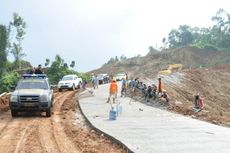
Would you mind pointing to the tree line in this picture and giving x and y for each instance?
(216, 37)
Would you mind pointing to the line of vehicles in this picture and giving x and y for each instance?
(34, 92)
(105, 78)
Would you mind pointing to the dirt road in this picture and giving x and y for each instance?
(65, 132)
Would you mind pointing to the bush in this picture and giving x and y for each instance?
(205, 46)
(84, 76)
(8, 80)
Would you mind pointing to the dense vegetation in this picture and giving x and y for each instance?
(59, 68)
(216, 37)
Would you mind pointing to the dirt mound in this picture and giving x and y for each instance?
(212, 84)
(4, 102)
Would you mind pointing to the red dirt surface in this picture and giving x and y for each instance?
(4, 103)
(65, 131)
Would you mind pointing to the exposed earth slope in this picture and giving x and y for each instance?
(213, 85)
(204, 71)
(149, 65)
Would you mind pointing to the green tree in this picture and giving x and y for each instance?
(165, 43)
(8, 80)
(116, 59)
(123, 57)
(111, 60)
(214, 38)
(181, 37)
(47, 62)
(222, 28)
(3, 45)
(152, 50)
(58, 69)
(17, 33)
(65, 65)
(72, 65)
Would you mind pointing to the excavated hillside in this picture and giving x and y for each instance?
(149, 65)
(204, 71)
(214, 87)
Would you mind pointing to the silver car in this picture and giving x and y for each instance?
(33, 93)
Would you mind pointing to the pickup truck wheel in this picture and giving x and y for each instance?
(73, 88)
(14, 113)
(48, 112)
(79, 85)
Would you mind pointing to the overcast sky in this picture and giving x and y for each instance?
(91, 31)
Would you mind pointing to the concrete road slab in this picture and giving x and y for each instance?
(145, 129)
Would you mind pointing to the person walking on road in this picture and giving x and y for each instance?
(113, 88)
(123, 87)
(95, 82)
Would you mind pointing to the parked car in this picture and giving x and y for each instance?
(32, 93)
(103, 78)
(70, 82)
(120, 76)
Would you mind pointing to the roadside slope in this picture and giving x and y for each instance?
(212, 84)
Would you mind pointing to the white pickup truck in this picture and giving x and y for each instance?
(69, 82)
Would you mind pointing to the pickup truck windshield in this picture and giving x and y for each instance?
(67, 78)
(32, 84)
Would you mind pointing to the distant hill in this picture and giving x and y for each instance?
(149, 65)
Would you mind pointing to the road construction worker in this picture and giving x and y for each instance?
(165, 95)
(160, 87)
(113, 88)
(123, 87)
(199, 103)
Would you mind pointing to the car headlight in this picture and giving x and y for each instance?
(14, 98)
(44, 98)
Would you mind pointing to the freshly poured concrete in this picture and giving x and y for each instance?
(145, 129)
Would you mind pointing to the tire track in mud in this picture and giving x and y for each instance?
(29, 141)
(14, 134)
(65, 144)
(46, 129)
(51, 134)
(4, 121)
(35, 133)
